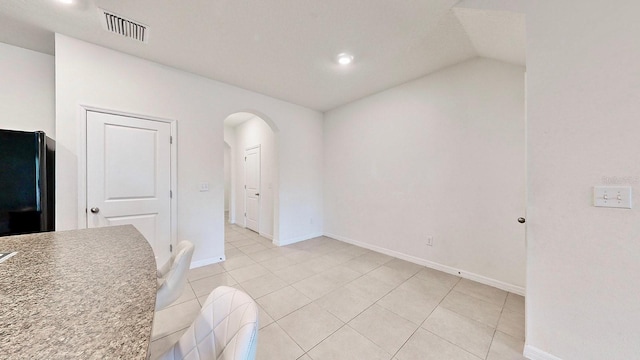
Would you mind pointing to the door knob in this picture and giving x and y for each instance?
(521, 220)
(95, 210)
(257, 194)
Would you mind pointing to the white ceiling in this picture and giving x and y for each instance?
(495, 34)
(236, 119)
(283, 48)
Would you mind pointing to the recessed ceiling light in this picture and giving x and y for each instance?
(344, 59)
(67, 2)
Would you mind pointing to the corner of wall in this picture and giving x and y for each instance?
(296, 239)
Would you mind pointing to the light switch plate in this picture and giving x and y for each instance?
(612, 196)
(204, 186)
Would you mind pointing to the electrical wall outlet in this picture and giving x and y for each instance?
(429, 240)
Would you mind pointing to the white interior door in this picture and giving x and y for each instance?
(252, 188)
(129, 176)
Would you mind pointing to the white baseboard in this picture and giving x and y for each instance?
(205, 262)
(434, 265)
(297, 239)
(268, 236)
(533, 353)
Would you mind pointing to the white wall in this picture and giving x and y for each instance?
(27, 100)
(583, 86)
(251, 133)
(227, 176)
(441, 156)
(230, 139)
(91, 75)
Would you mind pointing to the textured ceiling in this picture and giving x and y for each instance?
(282, 48)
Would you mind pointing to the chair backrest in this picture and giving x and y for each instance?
(173, 283)
(225, 329)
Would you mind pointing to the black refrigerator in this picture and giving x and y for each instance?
(27, 182)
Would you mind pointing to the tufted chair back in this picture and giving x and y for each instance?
(225, 329)
(172, 278)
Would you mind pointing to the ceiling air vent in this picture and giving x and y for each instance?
(125, 27)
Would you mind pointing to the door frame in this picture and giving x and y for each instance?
(259, 184)
(82, 164)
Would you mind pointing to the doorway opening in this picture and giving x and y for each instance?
(250, 165)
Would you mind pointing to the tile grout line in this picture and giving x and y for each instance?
(479, 322)
(496, 328)
(459, 347)
(367, 308)
(425, 319)
(374, 303)
(343, 323)
(347, 323)
(342, 263)
(364, 310)
(291, 285)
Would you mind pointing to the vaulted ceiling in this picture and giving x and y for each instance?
(283, 48)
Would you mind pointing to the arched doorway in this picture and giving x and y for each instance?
(252, 174)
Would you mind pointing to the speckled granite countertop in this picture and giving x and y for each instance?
(80, 294)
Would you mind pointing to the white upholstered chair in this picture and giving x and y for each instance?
(225, 329)
(172, 277)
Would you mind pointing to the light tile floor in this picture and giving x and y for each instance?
(325, 299)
